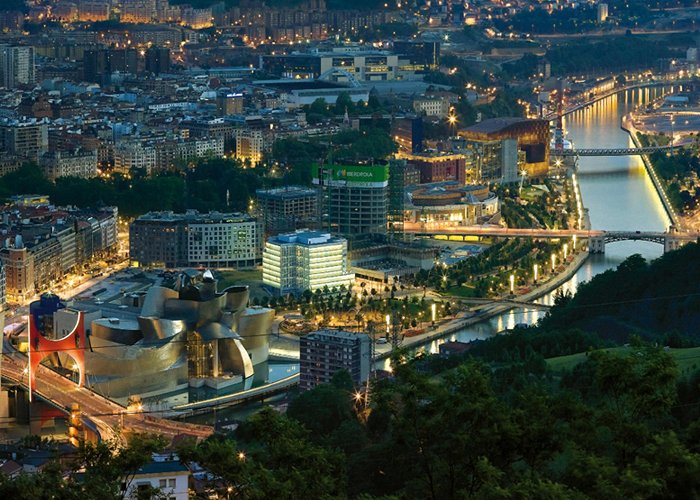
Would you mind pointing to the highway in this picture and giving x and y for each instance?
(113, 421)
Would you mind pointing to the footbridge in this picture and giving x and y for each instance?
(597, 239)
(609, 152)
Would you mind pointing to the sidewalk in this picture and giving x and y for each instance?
(462, 321)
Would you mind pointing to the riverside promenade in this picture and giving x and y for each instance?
(489, 310)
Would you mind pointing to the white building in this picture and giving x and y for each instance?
(306, 260)
(432, 106)
(138, 11)
(169, 478)
(16, 66)
(602, 12)
(200, 148)
(64, 164)
(224, 240)
(93, 10)
(130, 155)
(249, 145)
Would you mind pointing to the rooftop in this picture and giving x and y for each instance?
(494, 125)
(162, 467)
(336, 334)
(195, 217)
(305, 237)
(289, 192)
(289, 85)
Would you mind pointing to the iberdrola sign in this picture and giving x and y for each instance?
(359, 175)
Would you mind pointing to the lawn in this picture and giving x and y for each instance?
(228, 278)
(462, 291)
(251, 277)
(688, 359)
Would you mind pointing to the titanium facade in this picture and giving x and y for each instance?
(191, 334)
(325, 352)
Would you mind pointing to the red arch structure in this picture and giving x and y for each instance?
(72, 344)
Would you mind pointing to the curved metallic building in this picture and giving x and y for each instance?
(192, 334)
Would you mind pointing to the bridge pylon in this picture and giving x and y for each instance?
(671, 243)
(40, 347)
(596, 244)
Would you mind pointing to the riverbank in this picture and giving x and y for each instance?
(585, 104)
(628, 126)
(463, 321)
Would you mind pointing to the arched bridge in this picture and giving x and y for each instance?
(597, 239)
(609, 152)
(670, 240)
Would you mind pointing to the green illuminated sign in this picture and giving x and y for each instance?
(365, 174)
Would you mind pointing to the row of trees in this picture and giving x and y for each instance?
(319, 110)
(373, 304)
(212, 184)
(679, 170)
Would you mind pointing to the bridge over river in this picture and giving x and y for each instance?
(597, 239)
(108, 419)
(609, 152)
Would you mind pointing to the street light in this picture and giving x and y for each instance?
(554, 261)
(574, 243)
(512, 284)
(433, 310)
(535, 272)
(452, 120)
(566, 250)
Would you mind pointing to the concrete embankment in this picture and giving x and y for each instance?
(464, 321)
(628, 126)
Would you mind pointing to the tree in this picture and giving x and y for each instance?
(98, 471)
(344, 103)
(271, 457)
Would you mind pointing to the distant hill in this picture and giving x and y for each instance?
(647, 299)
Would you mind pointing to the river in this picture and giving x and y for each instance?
(617, 192)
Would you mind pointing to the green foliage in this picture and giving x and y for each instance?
(389, 30)
(523, 68)
(98, 471)
(326, 408)
(273, 458)
(558, 21)
(354, 145)
(647, 299)
(678, 170)
(623, 53)
(214, 184)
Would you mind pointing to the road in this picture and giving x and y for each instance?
(111, 419)
(501, 232)
(437, 228)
